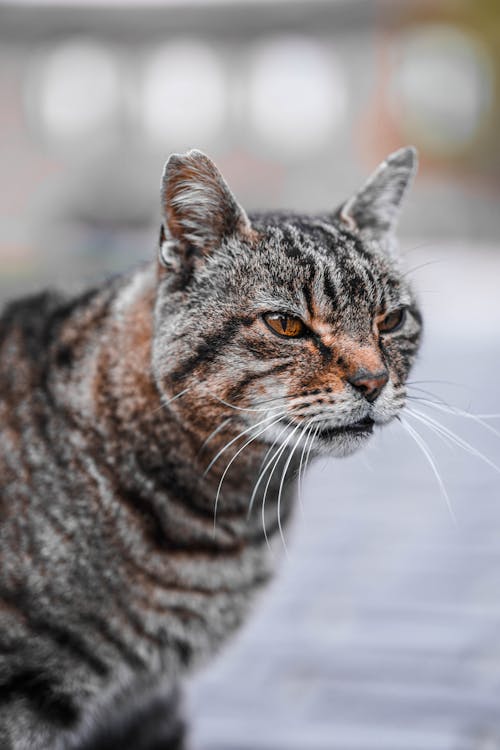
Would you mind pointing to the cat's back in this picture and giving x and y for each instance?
(26, 320)
(25, 333)
(33, 352)
(29, 326)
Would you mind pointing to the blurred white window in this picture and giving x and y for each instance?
(76, 91)
(184, 95)
(297, 94)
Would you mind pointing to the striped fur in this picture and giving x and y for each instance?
(123, 561)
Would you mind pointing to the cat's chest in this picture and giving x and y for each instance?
(186, 610)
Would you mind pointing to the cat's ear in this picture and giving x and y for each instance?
(374, 210)
(199, 210)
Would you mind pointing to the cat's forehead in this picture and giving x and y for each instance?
(304, 231)
(329, 266)
(318, 237)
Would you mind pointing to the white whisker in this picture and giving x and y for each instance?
(308, 431)
(457, 412)
(214, 433)
(263, 471)
(233, 440)
(425, 450)
(452, 436)
(276, 459)
(282, 481)
(170, 400)
(445, 438)
(310, 447)
(246, 408)
(247, 442)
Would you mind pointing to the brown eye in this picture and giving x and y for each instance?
(285, 325)
(392, 321)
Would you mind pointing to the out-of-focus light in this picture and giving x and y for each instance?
(77, 89)
(184, 94)
(297, 94)
(442, 87)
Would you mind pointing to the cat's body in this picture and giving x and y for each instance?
(113, 563)
(123, 561)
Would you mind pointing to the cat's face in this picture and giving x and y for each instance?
(298, 328)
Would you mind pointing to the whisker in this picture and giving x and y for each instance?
(308, 429)
(421, 245)
(425, 450)
(269, 450)
(426, 391)
(164, 404)
(452, 436)
(233, 440)
(422, 265)
(445, 438)
(434, 397)
(310, 447)
(245, 408)
(288, 400)
(262, 472)
(447, 409)
(441, 400)
(437, 382)
(247, 442)
(282, 482)
(277, 457)
(214, 433)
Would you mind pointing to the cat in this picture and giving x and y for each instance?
(151, 432)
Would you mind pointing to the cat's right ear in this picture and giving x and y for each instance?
(374, 210)
(199, 210)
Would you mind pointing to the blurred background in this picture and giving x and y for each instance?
(383, 629)
(296, 101)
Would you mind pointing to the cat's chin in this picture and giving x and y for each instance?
(342, 441)
(342, 445)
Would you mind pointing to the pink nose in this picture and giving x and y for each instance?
(370, 384)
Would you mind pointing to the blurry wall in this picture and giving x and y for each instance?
(295, 100)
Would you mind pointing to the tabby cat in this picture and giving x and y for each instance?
(151, 432)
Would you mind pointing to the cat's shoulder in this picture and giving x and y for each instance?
(28, 316)
(35, 319)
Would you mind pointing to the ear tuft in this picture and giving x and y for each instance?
(374, 210)
(198, 207)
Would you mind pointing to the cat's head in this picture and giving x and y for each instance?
(297, 325)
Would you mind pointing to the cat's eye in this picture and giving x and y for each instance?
(392, 321)
(285, 325)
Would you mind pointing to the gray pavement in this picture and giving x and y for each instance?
(382, 629)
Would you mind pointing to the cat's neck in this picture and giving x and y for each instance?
(156, 457)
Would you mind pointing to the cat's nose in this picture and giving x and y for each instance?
(370, 384)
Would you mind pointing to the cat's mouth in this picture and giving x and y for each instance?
(361, 427)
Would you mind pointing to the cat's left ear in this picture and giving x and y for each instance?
(374, 210)
(199, 210)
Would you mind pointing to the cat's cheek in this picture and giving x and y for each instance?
(401, 368)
